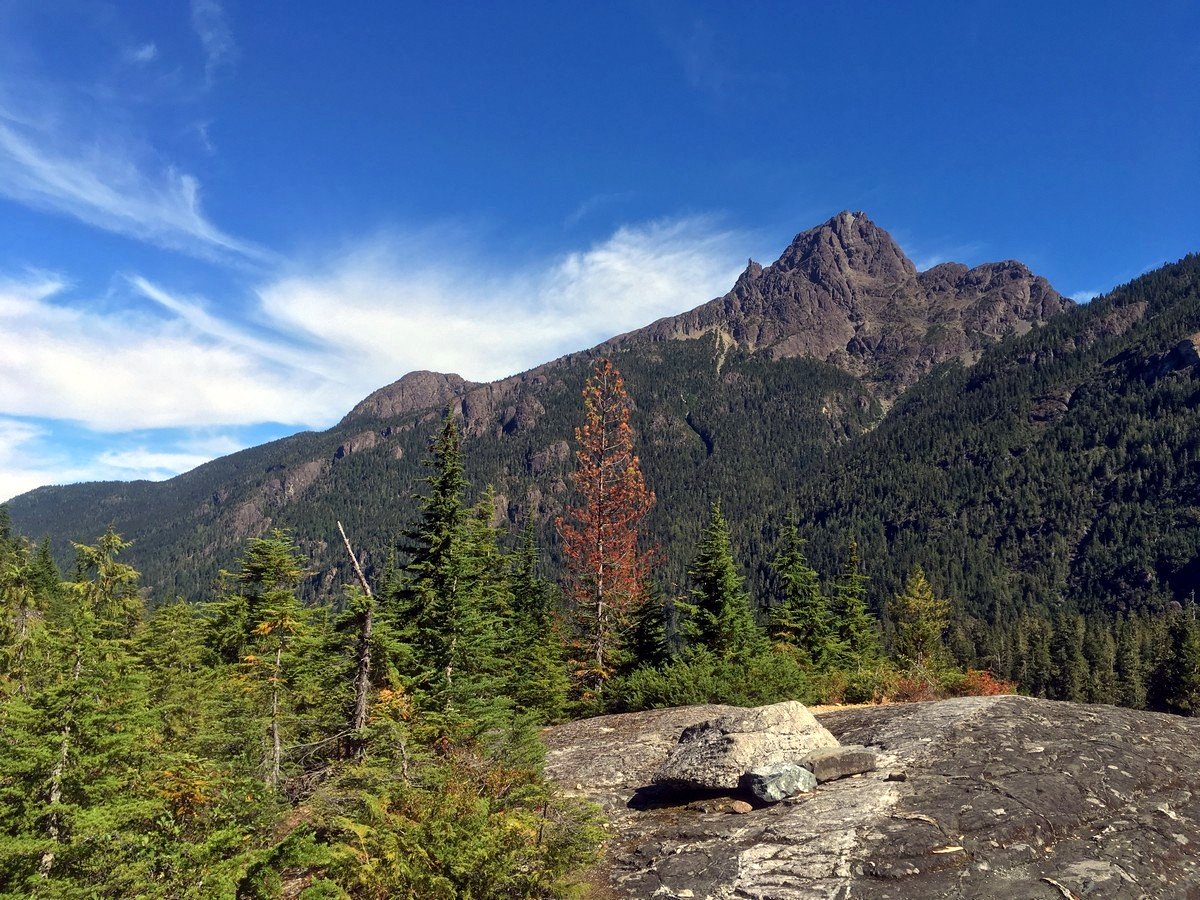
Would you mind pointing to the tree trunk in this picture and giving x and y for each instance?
(276, 742)
(362, 674)
(53, 831)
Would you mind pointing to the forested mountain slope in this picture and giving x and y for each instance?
(766, 398)
(1064, 465)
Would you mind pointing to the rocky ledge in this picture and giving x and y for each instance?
(980, 797)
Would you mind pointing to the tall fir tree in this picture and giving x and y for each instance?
(1068, 667)
(856, 629)
(75, 808)
(1175, 684)
(262, 617)
(540, 674)
(430, 591)
(724, 618)
(1100, 652)
(649, 642)
(919, 620)
(800, 618)
(1129, 666)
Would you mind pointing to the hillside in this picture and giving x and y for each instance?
(1063, 465)
(736, 399)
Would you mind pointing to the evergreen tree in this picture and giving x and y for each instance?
(1034, 665)
(724, 620)
(1130, 670)
(74, 807)
(1176, 680)
(1099, 650)
(265, 607)
(801, 616)
(19, 613)
(540, 673)
(857, 631)
(431, 593)
(1068, 667)
(919, 620)
(457, 599)
(649, 643)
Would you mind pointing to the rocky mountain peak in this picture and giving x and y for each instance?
(416, 390)
(845, 293)
(848, 245)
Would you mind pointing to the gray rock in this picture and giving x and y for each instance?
(838, 762)
(770, 784)
(714, 754)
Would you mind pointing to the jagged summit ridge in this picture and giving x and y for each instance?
(845, 293)
(848, 244)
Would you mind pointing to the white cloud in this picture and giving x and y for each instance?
(103, 185)
(20, 469)
(324, 338)
(391, 307)
(216, 39)
(152, 464)
(31, 456)
(122, 370)
(1085, 296)
(141, 55)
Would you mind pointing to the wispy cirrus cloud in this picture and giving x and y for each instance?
(87, 148)
(104, 185)
(149, 361)
(216, 39)
(393, 305)
(142, 54)
(594, 204)
(118, 368)
(34, 453)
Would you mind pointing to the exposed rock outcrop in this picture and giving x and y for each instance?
(415, 391)
(987, 797)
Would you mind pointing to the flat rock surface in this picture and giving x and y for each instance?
(1004, 797)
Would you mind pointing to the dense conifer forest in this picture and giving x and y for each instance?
(351, 706)
(383, 740)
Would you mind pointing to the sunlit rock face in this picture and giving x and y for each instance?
(983, 797)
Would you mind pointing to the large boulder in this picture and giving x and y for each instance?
(714, 755)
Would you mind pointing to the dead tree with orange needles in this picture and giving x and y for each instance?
(605, 572)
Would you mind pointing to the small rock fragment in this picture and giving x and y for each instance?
(773, 783)
(838, 762)
(740, 807)
(896, 776)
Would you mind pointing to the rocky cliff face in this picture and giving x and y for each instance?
(845, 293)
(1001, 797)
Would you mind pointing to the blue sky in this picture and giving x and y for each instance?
(223, 221)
